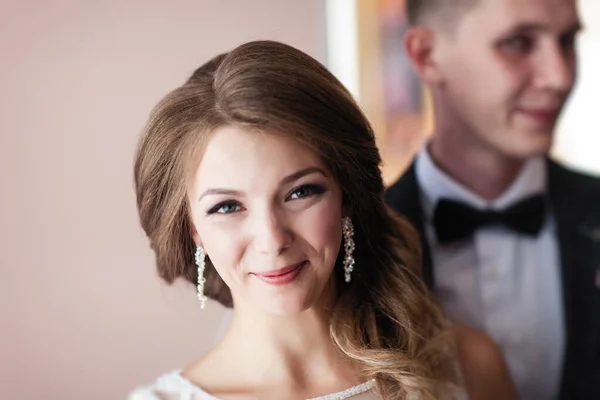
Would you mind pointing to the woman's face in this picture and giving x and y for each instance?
(268, 214)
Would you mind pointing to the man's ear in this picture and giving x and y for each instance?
(419, 44)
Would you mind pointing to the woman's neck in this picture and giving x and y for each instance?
(295, 345)
(261, 350)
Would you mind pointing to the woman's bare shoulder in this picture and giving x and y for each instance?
(170, 386)
(482, 364)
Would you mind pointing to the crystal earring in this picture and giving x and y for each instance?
(201, 262)
(348, 231)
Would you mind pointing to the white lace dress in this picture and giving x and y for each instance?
(173, 386)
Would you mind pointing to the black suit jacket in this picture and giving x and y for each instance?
(575, 204)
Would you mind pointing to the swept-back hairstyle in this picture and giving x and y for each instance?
(385, 319)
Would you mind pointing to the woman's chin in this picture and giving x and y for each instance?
(289, 308)
(286, 305)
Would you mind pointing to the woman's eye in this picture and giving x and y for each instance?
(225, 208)
(306, 191)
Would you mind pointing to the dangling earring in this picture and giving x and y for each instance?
(348, 231)
(200, 262)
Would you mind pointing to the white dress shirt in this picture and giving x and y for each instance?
(502, 282)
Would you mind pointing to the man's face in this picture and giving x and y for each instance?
(506, 72)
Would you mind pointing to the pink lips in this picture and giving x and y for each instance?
(281, 276)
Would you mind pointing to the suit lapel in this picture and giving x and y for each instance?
(404, 197)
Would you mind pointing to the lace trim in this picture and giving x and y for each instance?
(353, 391)
(167, 380)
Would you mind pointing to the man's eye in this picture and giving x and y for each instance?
(567, 42)
(518, 43)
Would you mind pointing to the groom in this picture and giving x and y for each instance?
(511, 239)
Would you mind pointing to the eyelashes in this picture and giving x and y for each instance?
(306, 191)
(225, 207)
(298, 193)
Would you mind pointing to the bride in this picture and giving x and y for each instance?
(258, 180)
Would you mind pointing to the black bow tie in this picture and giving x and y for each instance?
(454, 221)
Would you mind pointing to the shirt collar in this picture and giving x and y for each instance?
(435, 184)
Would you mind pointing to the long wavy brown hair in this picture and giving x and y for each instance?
(385, 320)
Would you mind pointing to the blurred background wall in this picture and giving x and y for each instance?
(578, 136)
(83, 314)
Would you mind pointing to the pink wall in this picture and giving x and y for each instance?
(83, 315)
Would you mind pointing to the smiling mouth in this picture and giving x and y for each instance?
(281, 276)
(542, 116)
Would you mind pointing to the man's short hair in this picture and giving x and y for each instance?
(443, 12)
